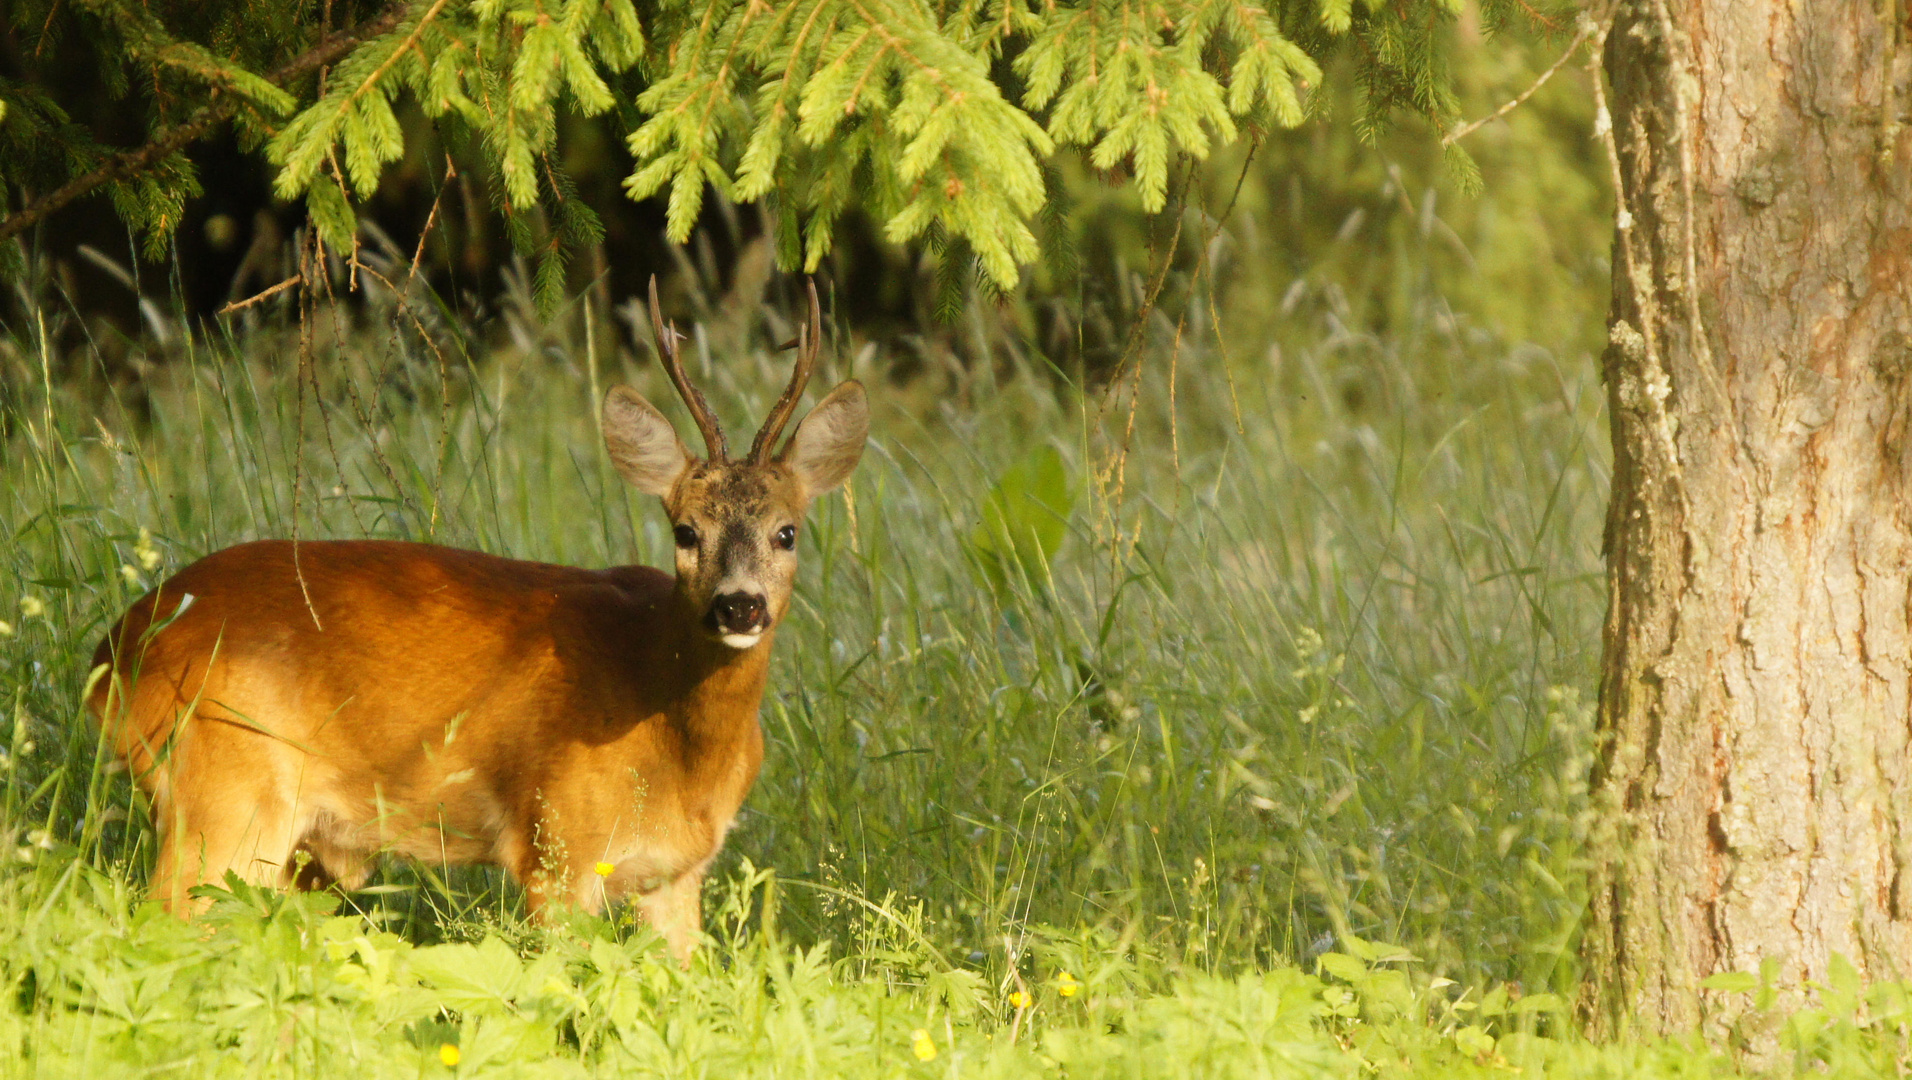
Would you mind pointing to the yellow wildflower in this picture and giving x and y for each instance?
(6, 628)
(604, 869)
(448, 1053)
(32, 607)
(1019, 999)
(921, 1044)
(1066, 985)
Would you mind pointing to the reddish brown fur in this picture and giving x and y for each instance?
(444, 704)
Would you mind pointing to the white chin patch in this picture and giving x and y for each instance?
(741, 641)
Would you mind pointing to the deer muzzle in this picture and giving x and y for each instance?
(738, 618)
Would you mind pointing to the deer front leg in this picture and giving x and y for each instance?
(676, 909)
(554, 873)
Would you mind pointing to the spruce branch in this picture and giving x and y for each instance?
(130, 164)
(937, 118)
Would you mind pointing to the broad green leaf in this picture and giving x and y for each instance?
(1732, 982)
(1024, 521)
(1344, 967)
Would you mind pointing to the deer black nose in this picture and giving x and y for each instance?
(738, 612)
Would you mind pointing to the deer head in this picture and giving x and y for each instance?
(736, 522)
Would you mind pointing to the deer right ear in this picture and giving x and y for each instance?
(829, 440)
(643, 445)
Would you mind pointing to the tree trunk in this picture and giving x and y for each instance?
(1757, 763)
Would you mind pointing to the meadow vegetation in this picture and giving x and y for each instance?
(1244, 734)
(1262, 754)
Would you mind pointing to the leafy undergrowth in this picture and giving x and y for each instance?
(275, 984)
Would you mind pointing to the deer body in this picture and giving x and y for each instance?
(293, 711)
(442, 704)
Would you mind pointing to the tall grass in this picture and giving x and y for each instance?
(1322, 674)
(1222, 761)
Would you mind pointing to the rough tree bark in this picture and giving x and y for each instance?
(1754, 699)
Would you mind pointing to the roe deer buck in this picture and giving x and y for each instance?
(295, 710)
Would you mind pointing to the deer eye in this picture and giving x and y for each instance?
(787, 537)
(686, 536)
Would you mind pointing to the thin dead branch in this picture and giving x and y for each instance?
(1587, 29)
(259, 297)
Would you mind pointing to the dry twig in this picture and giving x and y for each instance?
(1587, 29)
(259, 297)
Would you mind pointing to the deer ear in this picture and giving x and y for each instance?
(829, 441)
(643, 445)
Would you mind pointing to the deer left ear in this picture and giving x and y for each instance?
(642, 443)
(829, 441)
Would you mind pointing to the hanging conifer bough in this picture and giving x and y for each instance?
(934, 119)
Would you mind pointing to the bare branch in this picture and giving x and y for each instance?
(1587, 28)
(241, 305)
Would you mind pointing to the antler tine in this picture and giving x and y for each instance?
(666, 335)
(809, 345)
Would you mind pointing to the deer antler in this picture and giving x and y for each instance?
(666, 335)
(809, 343)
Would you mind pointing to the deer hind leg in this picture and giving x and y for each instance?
(228, 808)
(199, 845)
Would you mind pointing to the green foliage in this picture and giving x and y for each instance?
(278, 985)
(499, 69)
(1131, 81)
(937, 120)
(160, 61)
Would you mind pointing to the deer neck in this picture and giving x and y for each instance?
(721, 687)
(726, 682)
